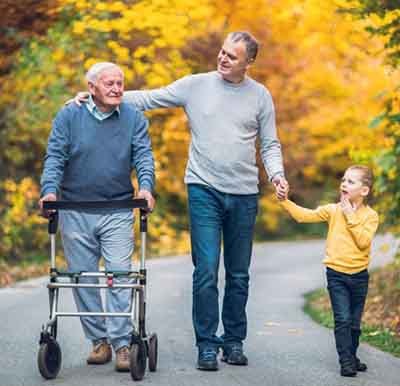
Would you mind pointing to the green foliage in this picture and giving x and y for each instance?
(383, 19)
(36, 91)
(387, 183)
(387, 26)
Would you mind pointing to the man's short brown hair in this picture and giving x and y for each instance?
(249, 40)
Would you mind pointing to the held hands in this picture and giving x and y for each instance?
(148, 197)
(347, 206)
(281, 187)
(47, 197)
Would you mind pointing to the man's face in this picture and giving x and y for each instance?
(108, 89)
(232, 61)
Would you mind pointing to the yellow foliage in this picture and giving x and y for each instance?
(19, 220)
(79, 27)
(323, 70)
(58, 55)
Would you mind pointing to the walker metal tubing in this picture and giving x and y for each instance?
(90, 285)
(54, 307)
(66, 314)
(115, 275)
(138, 291)
(111, 314)
(50, 323)
(143, 250)
(53, 251)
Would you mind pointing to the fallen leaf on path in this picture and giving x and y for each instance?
(270, 324)
(295, 331)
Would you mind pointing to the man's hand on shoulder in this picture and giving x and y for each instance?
(79, 98)
(148, 197)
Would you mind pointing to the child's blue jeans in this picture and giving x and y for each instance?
(347, 293)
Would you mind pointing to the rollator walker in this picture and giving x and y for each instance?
(143, 346)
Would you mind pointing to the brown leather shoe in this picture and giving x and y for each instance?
(122, 360)
(100, 354)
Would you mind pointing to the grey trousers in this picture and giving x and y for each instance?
(86, 237)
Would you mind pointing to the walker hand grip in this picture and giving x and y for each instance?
(53, 223)
(139, 203)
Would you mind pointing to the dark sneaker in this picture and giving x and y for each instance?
(360, 366)
(234, 355)
(348, 369)
(207, 359)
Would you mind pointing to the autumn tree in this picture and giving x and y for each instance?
(383, 20)
(319, 67)
(315, 61)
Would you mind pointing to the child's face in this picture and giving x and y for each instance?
(352, 188)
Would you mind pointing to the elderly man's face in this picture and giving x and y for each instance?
(108, 89)
(232, 61)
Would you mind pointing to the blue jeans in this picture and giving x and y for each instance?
(348, 294)
(86, 237)
(217, 216)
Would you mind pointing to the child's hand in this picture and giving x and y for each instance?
(282, 190)
(347, 206)
(287, 188)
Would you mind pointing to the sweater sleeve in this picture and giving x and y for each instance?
(304, 215)
(56, 155)
(362, 231)
(270, 147)
(142, 154)
(173, 95)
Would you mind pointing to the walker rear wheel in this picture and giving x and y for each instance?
(153, 352)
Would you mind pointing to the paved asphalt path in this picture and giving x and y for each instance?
(285, 348)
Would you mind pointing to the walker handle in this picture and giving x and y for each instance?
(140, 203)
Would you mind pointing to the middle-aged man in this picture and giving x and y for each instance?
(227, 111)
(91, 153)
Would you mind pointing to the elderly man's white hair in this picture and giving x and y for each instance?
(97, 68)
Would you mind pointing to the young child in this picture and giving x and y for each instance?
(352, 225)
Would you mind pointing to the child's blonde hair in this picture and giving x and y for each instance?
(367, 177)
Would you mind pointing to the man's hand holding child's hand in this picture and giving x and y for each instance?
(282, 190)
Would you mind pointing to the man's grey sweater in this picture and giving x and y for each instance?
(225, 120)
(88, 159)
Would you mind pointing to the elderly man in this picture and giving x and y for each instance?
(227, 111)
(91, 153)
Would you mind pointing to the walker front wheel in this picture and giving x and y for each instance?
(49, 359)
(138, 360)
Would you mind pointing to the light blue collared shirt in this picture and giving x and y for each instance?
(96, 112)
